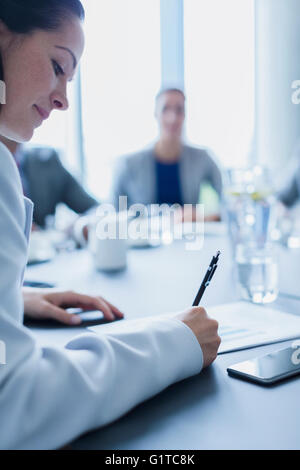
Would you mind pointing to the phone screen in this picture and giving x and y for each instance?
(271, 367)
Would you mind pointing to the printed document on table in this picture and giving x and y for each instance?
(242, 325)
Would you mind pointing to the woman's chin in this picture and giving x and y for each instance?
(17, 136)
(24, 136)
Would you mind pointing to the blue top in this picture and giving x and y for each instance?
(168, 187)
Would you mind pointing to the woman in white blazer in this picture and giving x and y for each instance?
(49, 396)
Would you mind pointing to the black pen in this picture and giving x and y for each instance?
(207, 278)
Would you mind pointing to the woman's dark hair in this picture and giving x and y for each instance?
(26, 16)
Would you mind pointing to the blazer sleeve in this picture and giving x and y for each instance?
(119, 182)
(213, 174)
(49, 395)
(289, 179)
(73, 193)
(289, 190)
(13, 243)
(290, 194)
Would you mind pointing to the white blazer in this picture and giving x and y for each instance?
(49, 396)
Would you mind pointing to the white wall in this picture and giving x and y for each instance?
(219, 77)
(277, 66)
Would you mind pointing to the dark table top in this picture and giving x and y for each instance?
(207, 411)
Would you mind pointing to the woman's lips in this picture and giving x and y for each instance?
(43, 113)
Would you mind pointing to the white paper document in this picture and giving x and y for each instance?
(242, 325)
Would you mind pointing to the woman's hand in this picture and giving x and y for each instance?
(51, 303)
(206, 331)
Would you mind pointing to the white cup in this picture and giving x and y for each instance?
(108, 250)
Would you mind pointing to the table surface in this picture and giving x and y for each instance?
(207, 411)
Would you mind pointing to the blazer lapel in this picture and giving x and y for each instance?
(149, 177)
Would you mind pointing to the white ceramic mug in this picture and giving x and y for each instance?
(108, 250)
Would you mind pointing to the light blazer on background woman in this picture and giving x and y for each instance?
(135, 176)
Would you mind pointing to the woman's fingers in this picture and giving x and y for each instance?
(86, 302)
(59, 314)
(104, 307)
(115, 310)
(44, 303)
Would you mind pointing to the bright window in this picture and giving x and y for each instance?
(121, 74)
(219, 76)
(59, 131)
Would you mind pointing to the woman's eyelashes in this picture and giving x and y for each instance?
(57, 68)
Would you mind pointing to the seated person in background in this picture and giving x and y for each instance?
(288, 211)
(290, 192)
(47, 183)
(170, 171)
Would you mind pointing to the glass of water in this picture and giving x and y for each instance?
(257, 272)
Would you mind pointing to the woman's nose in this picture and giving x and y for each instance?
(60, 101)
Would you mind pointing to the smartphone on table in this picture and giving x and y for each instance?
(270, 368)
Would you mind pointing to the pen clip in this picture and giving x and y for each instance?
(212, 272)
